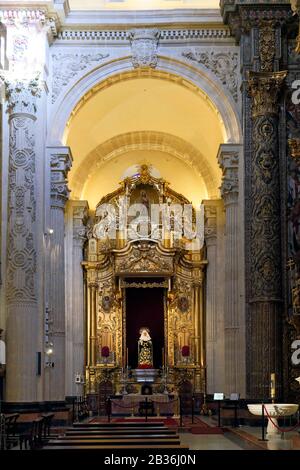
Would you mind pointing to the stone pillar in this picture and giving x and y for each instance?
(211, 292)
(79, 218)
(229, 162)
(21, 276)
(61, 161)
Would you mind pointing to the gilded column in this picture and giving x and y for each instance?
(21, 276)
(61, 161)
(229, 162)
(199, 329)
(265, 240)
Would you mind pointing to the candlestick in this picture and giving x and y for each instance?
(163, 358)
(127, 357)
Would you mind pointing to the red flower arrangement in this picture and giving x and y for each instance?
(145, 366)
(105, 351)
(185, 351)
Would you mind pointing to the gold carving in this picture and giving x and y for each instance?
(264, 88)
(107, 266)
(294, 145)
(267, 47)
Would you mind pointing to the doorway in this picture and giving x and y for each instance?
(145, 308)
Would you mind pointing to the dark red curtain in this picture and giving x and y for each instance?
(144, 307)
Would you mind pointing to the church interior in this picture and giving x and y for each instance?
(150, 225)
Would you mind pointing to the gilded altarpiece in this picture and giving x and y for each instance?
(114, 264)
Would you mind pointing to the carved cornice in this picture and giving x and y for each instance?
(61, 163)
(264, 88)
(144, 43)
(243, 15)
(294, 145)
(122, 36)
(21, 95)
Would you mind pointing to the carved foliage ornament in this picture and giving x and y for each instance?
(223, 64)
(267, 47)
(21, 95)
(264, 88)
(144, 44)
(67, 66)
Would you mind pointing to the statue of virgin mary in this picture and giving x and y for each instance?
(145, 352)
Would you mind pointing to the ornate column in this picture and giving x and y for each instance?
(91, 326)
(21, 276)
(199, 328)
(61, 161)
(262, 35)
(265, 239)
(228, 158)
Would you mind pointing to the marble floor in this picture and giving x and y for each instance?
(208, 442)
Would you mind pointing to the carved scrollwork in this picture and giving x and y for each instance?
(223, 64)
(68, 66)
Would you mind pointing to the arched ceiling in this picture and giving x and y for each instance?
(145, 120)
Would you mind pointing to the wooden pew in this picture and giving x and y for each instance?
(120, 432)
(115, 442)
(113, 447)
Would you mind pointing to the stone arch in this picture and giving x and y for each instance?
(198, 79)
(144, 140)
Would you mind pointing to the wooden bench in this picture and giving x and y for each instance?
(113, 447)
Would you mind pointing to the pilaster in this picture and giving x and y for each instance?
(60, 164)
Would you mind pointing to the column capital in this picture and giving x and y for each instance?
(228, 158)
(21, 95)
(264, 89)
(60, 163)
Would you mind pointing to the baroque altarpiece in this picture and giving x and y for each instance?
(112, 266)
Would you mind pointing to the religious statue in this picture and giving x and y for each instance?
(145, 353)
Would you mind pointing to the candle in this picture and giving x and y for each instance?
(127, 357)
(163, 357)
(273, 386)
